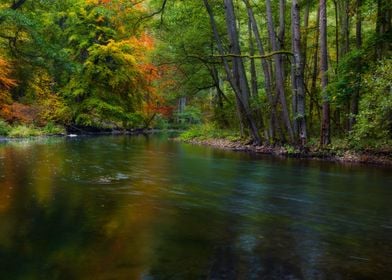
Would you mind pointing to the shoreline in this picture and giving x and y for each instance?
(87, 134)
(343, 156)
(347, 156)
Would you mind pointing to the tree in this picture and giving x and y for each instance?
(325, 138)
(236, 75)
(298, 79)
(6, 82)
(355, 97)
(266, 69)
(279, 77)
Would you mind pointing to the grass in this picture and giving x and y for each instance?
(338, 147)
(25, 131)
(208, 131)
(52, 129)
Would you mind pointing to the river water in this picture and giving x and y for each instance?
(115, 207)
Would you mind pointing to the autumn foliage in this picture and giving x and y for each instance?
(6, 83)
(92, 65)
(19, 113)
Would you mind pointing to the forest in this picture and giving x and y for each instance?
(297, 72)
(195, 139)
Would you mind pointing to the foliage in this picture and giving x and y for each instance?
(375, 118)
(77, 61)
(4, 128)
(208, 131)
(161, 122)
(5, 81)
(190, 116)
(22, 131)
(348, 77)
(120, 64)
(19, 113)
(52, 129)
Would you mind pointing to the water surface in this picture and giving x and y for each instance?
(148, 208)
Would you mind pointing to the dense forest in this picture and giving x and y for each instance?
(294, 72)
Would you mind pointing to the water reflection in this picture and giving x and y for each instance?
(148, 208)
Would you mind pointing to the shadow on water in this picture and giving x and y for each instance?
(148, 208)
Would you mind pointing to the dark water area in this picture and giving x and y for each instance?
(117, 207)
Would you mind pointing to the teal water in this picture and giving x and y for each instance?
(118, 207)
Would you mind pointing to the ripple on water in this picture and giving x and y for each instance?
(107, 180)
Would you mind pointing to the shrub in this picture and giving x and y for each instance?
(4, 128)
(22, 131)
(208, 131)
(52, 129)
(190, 116)
(160, 122)
(374, 122)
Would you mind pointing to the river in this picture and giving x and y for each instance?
(120, 207)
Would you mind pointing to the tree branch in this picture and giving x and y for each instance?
(255, 56)
(160, 11)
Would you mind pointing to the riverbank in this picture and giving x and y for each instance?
(66, 133)
(10, 132)
(348, 156)
(340, 151)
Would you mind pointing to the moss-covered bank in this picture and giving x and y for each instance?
(341, 151)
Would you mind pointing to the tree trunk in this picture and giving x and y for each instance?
(278, 71)
(325, 138)
(266, 71)
(220, 95)
(344, 27)
(315, 72)
(253, 74)
(239, 70)
(355, 98)
(305, 37)
(337, 46)
(383, 27)
(236, 75)
(298, 78)
(344, 30)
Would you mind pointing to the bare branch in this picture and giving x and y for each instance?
(160, 11)
(255, 56)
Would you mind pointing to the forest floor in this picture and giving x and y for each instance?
(375, 157)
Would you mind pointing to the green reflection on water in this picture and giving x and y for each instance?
(149, 208)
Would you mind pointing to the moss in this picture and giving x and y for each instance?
(208, 131)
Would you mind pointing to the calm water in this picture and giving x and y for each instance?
(149, 208)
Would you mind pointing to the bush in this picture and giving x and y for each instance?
(160, 122)
(190, 116)
(374, 122)
(52, 129)
(4, 128)
(208, 131)
(22, 131)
